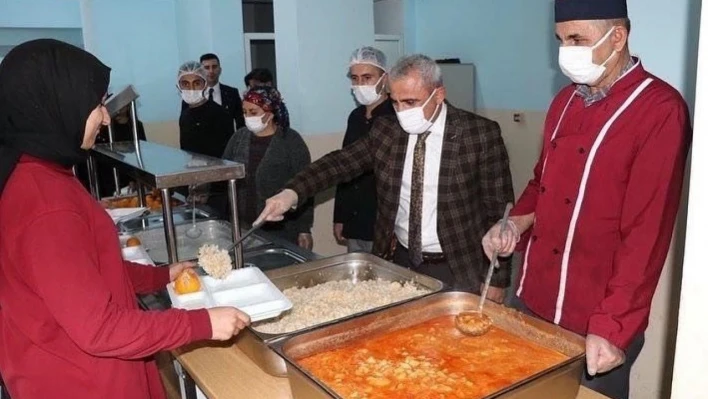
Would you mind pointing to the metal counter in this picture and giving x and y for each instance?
(290, 254)
(165, 168)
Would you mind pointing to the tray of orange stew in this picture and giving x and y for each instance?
(414, 351)
(247, 289)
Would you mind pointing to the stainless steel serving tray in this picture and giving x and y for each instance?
(272, 258)
(213, 232)
(354, 267)
(558, 382)
(155, 219)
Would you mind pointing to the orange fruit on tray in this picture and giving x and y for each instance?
(187, 282)
(132, 242)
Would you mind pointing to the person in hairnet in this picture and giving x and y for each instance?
(597, 217)
(205, 127)
(355, 203)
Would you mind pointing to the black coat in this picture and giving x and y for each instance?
(287, 155)
(106, 185)
(355, 203)
(205, 129)
(231, 102)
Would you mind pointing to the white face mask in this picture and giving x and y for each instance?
(413, 119)
(192, 97)
(255, 124)
(367, 94)
(576, 62)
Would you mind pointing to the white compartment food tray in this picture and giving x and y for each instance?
(120, 214)
(135, 254)
(247, 289)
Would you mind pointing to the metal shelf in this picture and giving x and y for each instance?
(161, 166)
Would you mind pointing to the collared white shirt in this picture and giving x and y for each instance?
(217, 93)
(431, 175)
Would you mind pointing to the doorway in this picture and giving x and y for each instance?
(260, 52)
(391, 46)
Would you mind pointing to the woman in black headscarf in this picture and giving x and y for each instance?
(69, 322)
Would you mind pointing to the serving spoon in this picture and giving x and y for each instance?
(477, 323)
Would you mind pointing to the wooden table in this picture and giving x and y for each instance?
(224, 372)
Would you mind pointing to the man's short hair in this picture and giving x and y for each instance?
(209, 56)
(428, 69)
(262, 75)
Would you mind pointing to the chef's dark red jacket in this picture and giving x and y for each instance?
(70, 326)
(605, 194)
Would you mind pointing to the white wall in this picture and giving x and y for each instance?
(313, 42)
(691, 361)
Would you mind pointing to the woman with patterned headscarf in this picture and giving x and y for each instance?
(273, 153)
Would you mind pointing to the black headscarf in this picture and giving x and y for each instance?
(48, 89)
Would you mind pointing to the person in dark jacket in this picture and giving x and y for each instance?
(273, 153)
(226, 96)
(122, 131)
(355, 203)
(205, 128)
(258, 77)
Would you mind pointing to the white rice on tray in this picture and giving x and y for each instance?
(337, 299)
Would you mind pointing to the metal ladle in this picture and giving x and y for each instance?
(250, 231)
(194, 232)
(477, 323)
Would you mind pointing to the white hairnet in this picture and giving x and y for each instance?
(369, 55)
(192, 67)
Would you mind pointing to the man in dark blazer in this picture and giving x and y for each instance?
(442, 179)
(226, 96)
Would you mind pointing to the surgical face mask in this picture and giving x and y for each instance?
(413, 119)
(367, 94)
(576, 62)
(192, 97)
(255, 124)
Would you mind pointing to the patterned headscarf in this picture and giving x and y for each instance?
(270, 100)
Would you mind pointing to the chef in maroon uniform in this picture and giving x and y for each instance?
(596, 220)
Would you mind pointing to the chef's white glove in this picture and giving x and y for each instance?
(277, 205)
(504, 243)
(601, 356)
